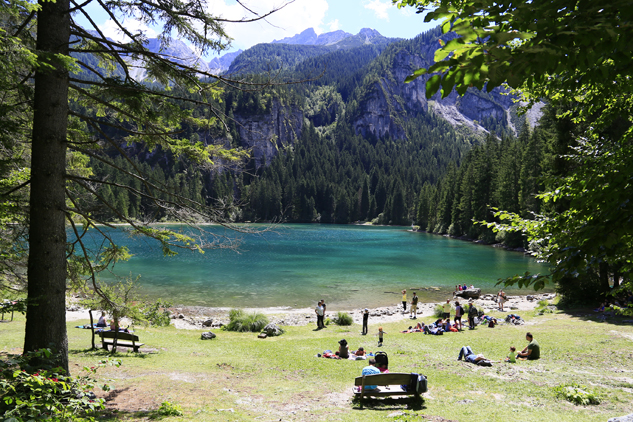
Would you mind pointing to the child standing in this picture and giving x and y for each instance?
(511, 357)
(380, 336)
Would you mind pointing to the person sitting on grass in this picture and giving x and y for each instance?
(370, 370)
(511, 358)
(601, 307)
(532, 351)
(360, 352)
(343, 349)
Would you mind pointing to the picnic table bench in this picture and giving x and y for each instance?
(391, 384)
(123, 340)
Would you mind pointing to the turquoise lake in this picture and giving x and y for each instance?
(297, 264)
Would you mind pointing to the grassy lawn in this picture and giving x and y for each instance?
(237, 377)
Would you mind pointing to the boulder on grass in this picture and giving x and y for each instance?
(469, 293)
(208, 336)
(273, 330)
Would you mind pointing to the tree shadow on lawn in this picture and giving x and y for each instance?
(98, 352)
(389, 403)
(588, 314)
(114, 414)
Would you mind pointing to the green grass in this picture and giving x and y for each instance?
(280, 377)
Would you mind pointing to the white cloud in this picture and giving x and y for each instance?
(112, 30)
(380, 8)
(334, 25)
(291, 20)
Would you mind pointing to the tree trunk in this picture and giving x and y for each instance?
(46, 310)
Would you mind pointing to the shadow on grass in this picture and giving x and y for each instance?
(108, 353)
(389, 403)
(107, 415)
(588, 314)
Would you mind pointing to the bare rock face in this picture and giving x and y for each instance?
(469, 293)
(388, 100)
(269, 133)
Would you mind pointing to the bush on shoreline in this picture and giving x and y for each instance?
(343, 318)
(246, 322)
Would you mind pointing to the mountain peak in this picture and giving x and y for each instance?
(369, 33)
(307, 37)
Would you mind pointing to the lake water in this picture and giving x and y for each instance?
(297, 264)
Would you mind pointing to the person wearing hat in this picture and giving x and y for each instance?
(365, 319)
(343, 349)
(472, 313)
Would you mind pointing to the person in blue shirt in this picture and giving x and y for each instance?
(371, 370)
(469, 356)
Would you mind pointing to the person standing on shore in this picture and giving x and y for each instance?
(501, 299)
(459, 311)
(365, 320)
(447, 309)
(414, 306)
(404, 301)
(319, 312)
(324, 310)
(472, 313)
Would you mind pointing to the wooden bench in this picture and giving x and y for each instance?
(390, 385)
(123, 340)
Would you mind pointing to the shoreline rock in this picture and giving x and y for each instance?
(204, 318)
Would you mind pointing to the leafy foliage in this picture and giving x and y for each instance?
(169, 409)
(577, 394)
(33, 388)
(156, 313)
(577, 55)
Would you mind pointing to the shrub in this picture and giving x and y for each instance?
(44, 391)
(244, 322)
(156, 313)
(169, 409)
(343, 318)
(576, 394)
(438, 311)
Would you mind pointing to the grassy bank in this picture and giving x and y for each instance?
(237, 377)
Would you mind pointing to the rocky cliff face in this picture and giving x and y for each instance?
(267, 134)
(387, 101)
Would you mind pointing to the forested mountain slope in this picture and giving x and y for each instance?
(355, 144)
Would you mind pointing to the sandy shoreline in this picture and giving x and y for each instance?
(201, 318)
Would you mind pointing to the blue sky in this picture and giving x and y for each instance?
(322, 15)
